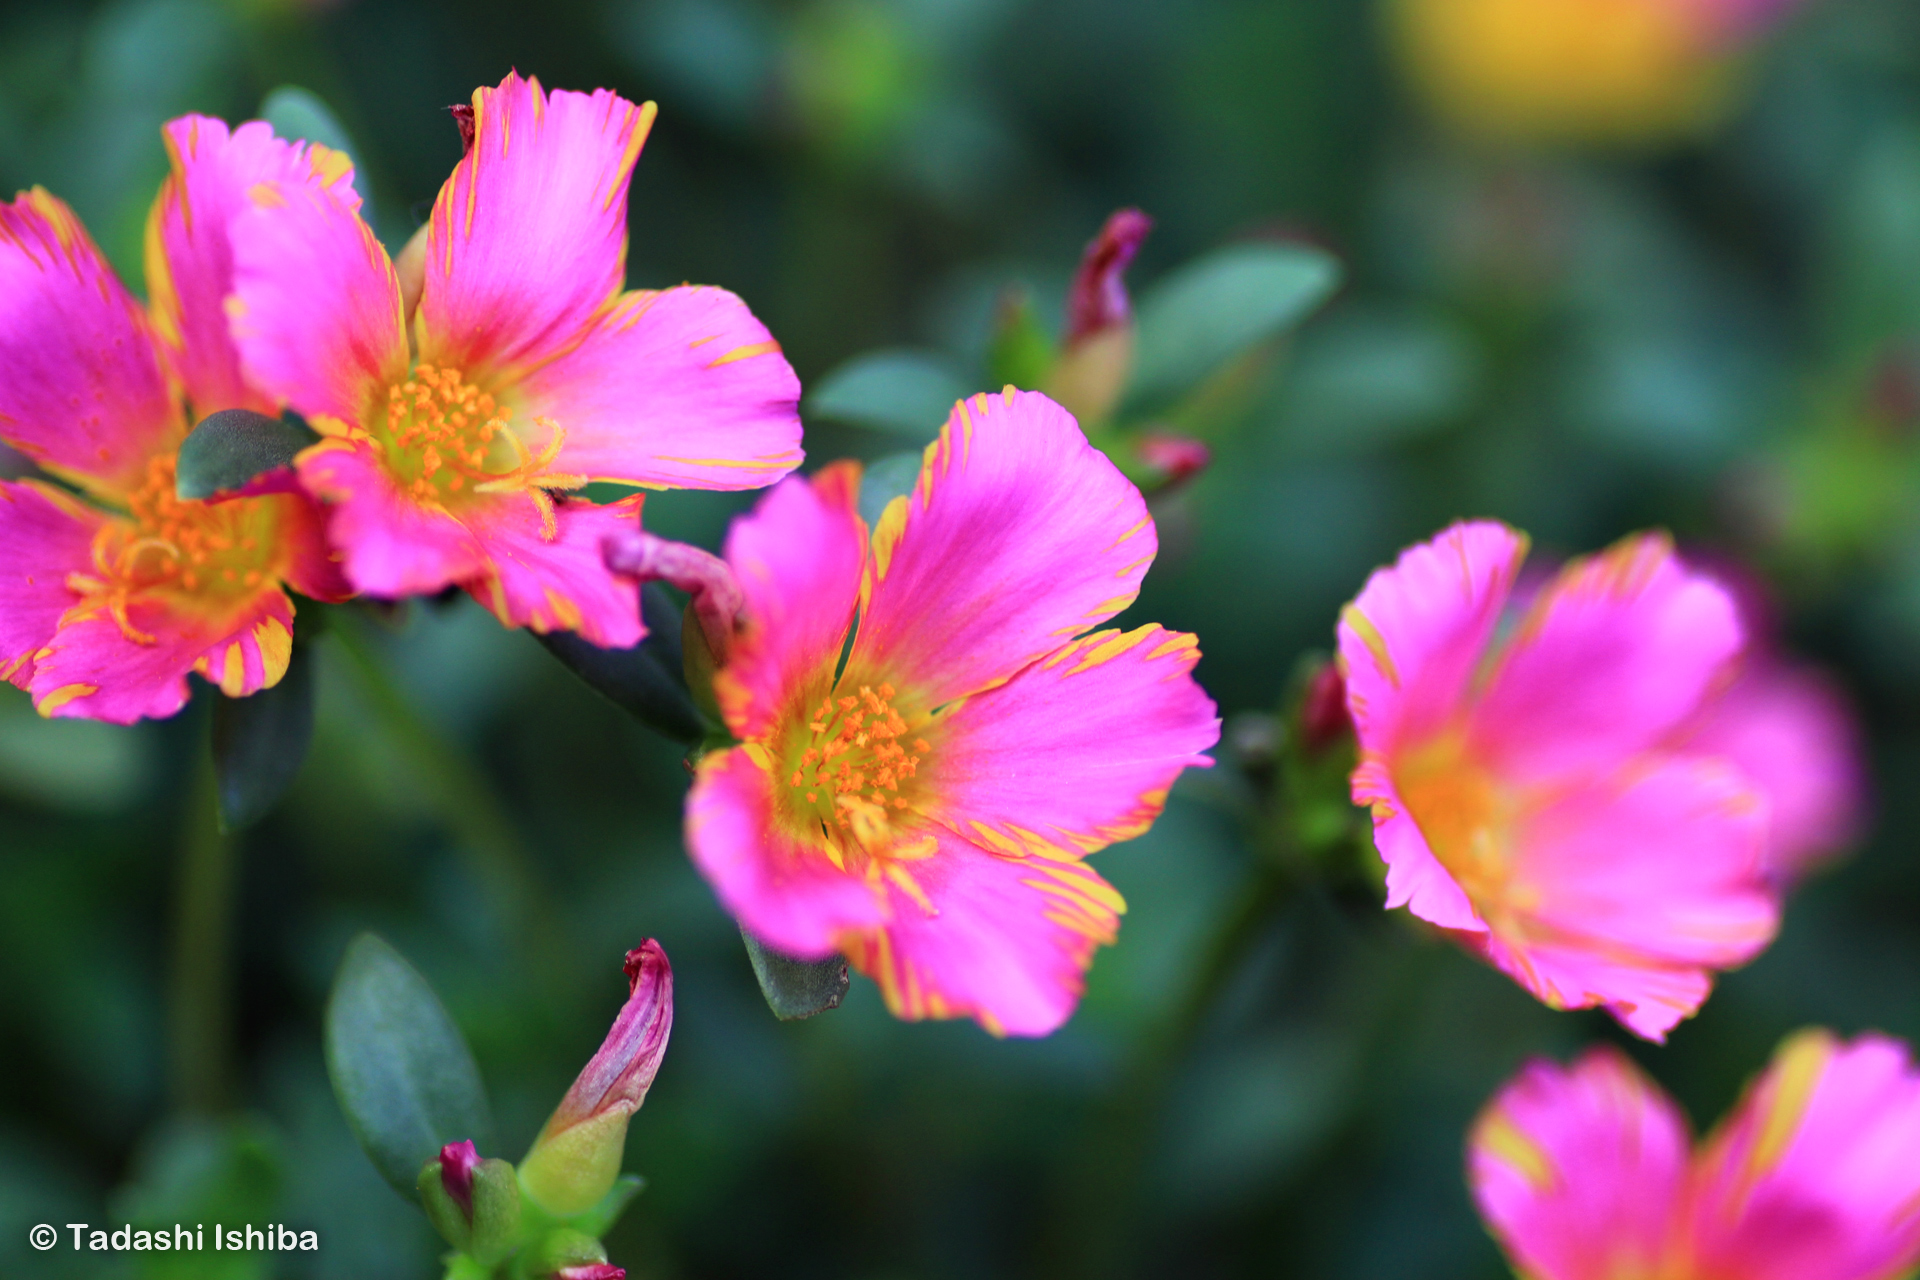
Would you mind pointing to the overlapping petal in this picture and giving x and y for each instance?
(679, 388)
(528, 237)
(559, 583)
(1018, 536)
(1580, 1171)
(81, 387)
(391, 546)
(44, 536)
(190, 270)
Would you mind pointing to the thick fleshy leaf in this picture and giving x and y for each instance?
(1195, 320)
(259, 743)
(236, 448)
(401, 1070)
(796, 988)
(644, 681)
(909, 392)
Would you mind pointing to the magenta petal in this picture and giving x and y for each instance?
(784, 893)
(677, 389)
(1415, 878)
(528, 238)
(1616, 653)
(1078, 750)
(1018, 537)
(389, 545)
(44, 536)
(618, 1076)
(798, 557)
(81, 387)
(562, 584)
(1814, 1176)
(1579, 1172)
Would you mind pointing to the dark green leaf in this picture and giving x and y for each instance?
(260, 741)
(401, 1070)
(644, 681)
(886, 480)
(910, 392)
(233, 447)
(1212, 310)
(299, 115)
(796, 988)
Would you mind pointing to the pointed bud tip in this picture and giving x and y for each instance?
(1177, 458)
(645, 961)
(1098, 298)
(1323, 709)
(592, 1271)
(458, 1160)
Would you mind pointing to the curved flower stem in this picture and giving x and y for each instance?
(456, 788)
(200, 1010)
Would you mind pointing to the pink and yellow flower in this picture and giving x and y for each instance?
(107, 603)
(1533, 788)
(1585, 1173)
(456, 421)
(927, 807)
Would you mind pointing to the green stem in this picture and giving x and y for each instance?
(201, 1008)
(460, 795)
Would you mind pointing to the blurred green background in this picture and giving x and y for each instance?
(1721, 337)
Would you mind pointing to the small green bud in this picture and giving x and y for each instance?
(565, 1251)
(473, 1203)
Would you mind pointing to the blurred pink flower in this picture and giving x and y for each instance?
(523, 371)
(1530, 789)
(928, 810)
(1585, 1173)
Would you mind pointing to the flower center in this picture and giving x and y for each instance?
(218, 552)
(1462, 813)
(446, 438)
(855, 765)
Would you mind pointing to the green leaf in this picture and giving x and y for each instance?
(796, 988)
(299, 115)
(1212, 310)
(401, 1070)
(908, 392)
(645, 681)
(260, 741)
(1021, 354)
(886, 480)
(599, 1220)
(234, 447)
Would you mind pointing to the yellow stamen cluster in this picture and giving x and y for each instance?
(857, 761)
(214, 550)
(444, 436)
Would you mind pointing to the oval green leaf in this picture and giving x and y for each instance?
(1212, 310)
(260, 741)
(644, 681)
(231, 449)
(796, 988)
(401, 1070)
(299, 115)
(908, 392)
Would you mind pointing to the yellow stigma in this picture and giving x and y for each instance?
(215, 552)
(446, 438)
(852, 764)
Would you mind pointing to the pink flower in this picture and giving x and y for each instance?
(105, 609)
(1531, 788)
(1585, 1173)
(928, 810)
(524, 371)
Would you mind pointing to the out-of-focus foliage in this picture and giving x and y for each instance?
(1721, 336)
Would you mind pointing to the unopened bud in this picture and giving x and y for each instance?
(592, 1271)
(1324, 719)
(567, 1254)
(576, 1158)
(1174, 459)
(473, 1203)
(1098, 358)
(717, 597)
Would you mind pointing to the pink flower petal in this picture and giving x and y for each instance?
(1615, 654)
(1005, 941)
(1415, 878)
(1789, 729)
(1078, 750)
(316, 307)
(682, 388)
(528, 238)
(93, 669)
(313, 568)
(1018, 537)
(81, 388)
(798, 557)
(1814, 1175)
(390, 546)
(788, 895)
(44, 536)
(1628, 893)
(190, 254)
(558, 585)
(1579, 1172)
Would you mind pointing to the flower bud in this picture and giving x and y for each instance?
(717, 597)
(473, 1203)
(1098, 356)
(1174, 459)
(1324, 719)
(571, 1255)
(576, 1158)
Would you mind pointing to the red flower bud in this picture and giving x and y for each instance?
(592, 1271)
(1177, 458)
(1323, 709)
(458, 1160)
(717, 597)
(1098, 298)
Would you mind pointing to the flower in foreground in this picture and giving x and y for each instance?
(1537, 795)
(1585, 1172)
(107, 603)
(457, 420)
(927, 807)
